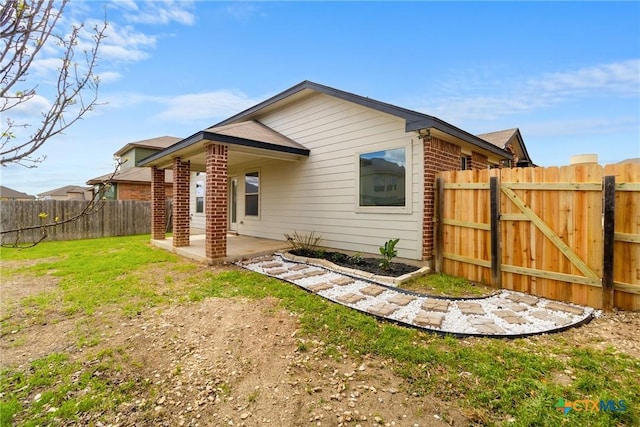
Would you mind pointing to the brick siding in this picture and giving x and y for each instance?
(158, 204)
(181, 196)
(216, 201)
(139, 191)
(479, 161)
(439, 156)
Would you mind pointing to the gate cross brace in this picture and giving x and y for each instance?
(551, 235)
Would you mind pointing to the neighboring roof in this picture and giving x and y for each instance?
(631, 160)
(499, 138)
(132, 174)
(63, 191)
(502, 138)
(414, 121)
(159, 143)
(9, 193)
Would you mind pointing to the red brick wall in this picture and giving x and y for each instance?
(479, 161)
(216, 201)
(139, 191)
(158, 204)
(439, 156)
(181, 171)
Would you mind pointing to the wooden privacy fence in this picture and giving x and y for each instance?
(570, 233)
(115, 218)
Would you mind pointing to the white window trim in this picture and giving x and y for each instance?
(244, 193)
(198, 176)
(408, 202)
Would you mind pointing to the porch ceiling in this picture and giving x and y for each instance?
(245, 141)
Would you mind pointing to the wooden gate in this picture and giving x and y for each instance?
(569, 233)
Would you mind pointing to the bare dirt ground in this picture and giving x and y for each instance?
(242, 363)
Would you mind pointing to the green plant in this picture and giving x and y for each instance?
(305, 243)
(356, 258)
(388, 252)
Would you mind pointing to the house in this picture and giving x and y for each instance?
(68, 192)
(511, 141)
(7, 193)
(131, 182)
(313, 158)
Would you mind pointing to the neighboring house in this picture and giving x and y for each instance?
(511, 141)
(131, 182)
(68, 192)
(354, 170)
(7, 193)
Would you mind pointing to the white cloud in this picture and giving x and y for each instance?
(109, 76)
(30, 109)
(620, 77)
(45, 67)
(242, 11)
(583, 126)
(206, 106)
(159, 12)
(125, 44)
(478, 97)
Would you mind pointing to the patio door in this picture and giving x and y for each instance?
(233, 204)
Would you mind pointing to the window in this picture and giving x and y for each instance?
(465, 163)
(383, 177)
(199, 195)
(109, 191)
(251, 193)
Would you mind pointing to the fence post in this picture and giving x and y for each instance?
(496, 253)
(439, 231)
(609, 207)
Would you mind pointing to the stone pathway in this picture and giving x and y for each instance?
(503, 314)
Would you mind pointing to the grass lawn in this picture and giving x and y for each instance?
(495, 382)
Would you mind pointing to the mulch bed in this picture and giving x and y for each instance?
(370, 265)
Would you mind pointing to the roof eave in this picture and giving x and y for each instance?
(223, 139)
(404, 113)
(434, 122)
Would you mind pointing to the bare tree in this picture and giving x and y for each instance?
(26, 27)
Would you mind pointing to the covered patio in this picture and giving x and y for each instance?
(238, 247)
(213, 151)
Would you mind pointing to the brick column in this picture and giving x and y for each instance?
(216, 201)
(479, 161)
(180, 202)
(439, 156)
(158, 204)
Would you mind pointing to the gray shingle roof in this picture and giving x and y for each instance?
(133, 174)
(254, 131)
(499, 138)
(158, 143)
(63, 191)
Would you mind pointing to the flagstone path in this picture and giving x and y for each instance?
(503, 314)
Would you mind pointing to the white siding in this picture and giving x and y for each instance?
(320, 193)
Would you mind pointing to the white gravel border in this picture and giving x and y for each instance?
(454, 321)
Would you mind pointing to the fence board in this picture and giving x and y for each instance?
(115, 218)
(558, 251)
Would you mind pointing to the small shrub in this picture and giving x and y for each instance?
(388, 252)
(338, 257)
(304, 243)
(356, 258)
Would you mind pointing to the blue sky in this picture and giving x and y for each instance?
(566, 73)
